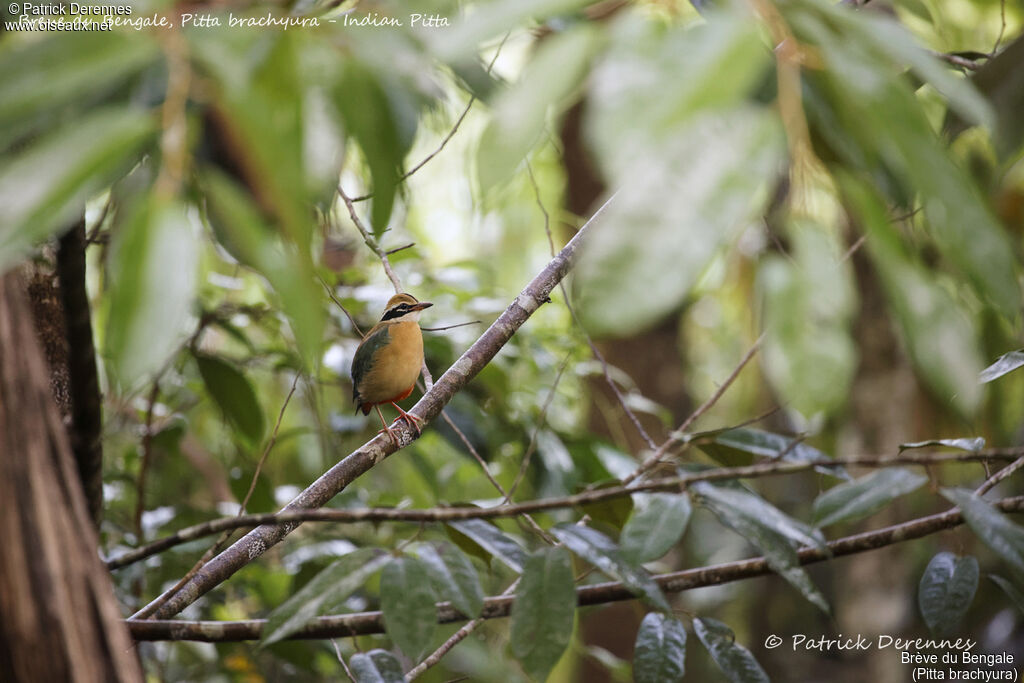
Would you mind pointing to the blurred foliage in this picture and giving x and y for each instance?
(771, 162)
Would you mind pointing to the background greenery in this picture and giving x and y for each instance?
(855, 193)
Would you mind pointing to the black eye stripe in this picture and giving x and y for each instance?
(397, 311)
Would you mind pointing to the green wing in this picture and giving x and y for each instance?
(363, 360)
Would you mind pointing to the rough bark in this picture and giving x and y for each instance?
(60, 621)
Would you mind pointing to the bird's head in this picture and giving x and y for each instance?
(404, 307)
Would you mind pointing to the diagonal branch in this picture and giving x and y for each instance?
(257, 541)
(367, 623)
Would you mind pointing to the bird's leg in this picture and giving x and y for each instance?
(394, 437)
(410, 419)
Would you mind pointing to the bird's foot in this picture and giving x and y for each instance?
(394, 437)
(414, 422)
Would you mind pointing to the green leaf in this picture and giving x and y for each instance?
(809, 300)
(464, 38)
(234, 395)
(768, 528)
(970, 445)
(940, 338)
(1011, 591)
(733, 659)
(453, 577)
(673, 214)
(520, 112)
(601, 551)
(1001, 81)
(543, 612)
(376, 666)
(994, 528)
(728, 444)
(655, 526)
(152, 278)
(861, 497)
(1008, 362)
(408, 602)
(946, 591)
(44, 188)
(45, 80)
(325, 591)
(612, 512)
(494, 541)
(242, 231)
(660, 650)
(878, 125)
(374, 119)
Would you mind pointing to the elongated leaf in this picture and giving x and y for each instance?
(809, 355)
(243, 232)
(45, 78)
(494, 541)
(994, 528)
(675, 212)
(1011, 591)
(325, 591)
(520, 112)
(733, 659)
(376, 666)
(1006, 363)
(234, 395)
(971, 445)
(940, 338)
(543, 612)
(153, 268)
(773, 532)
(731, 447)
(408, 602)
(45, 187)
(863, 496)
(453, 577)
(601, 551)
(655, 526)
(946, 590)
(464, 38)
(660, 650)
(613, 512)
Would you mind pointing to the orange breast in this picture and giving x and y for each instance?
(395, 367)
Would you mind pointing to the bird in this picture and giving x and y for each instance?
(388, 360)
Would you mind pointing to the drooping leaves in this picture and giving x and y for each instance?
(734, 447)
(601, 551)
(376, 666)
(543, 612)
(493, 540)
(660, 650)
(453, 577)
(325, 591)
(946, 590)
(1011, 591)
(994, 528)
(971, 445)
(1006, 363)
(861, 497)
(773, 532)
(407, 600)
(655, 526)
(733, 659)
(234, 395)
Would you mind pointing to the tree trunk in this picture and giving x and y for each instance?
(59, 620)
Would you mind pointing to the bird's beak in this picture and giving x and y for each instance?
(421, 305)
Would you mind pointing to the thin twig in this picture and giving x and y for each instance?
(147, 457)
(344, 666)
(456, 638)
(389, 252)
(334, 298)
(371, 241)
(443, 514)
(655, 457)
(525, 464)
(367, 623)
(450, 327)
(451, 133)
(999, 476)
(269, 446)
